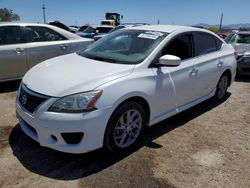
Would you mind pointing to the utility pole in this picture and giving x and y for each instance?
(158, 21)
(44, 17)
(221, 19)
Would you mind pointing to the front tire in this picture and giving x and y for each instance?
(125, 127)
(222, 87)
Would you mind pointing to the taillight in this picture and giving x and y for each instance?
(236, 55)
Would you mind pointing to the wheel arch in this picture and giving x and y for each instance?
(135, 98)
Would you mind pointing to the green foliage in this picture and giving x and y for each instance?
(7, 15)
(213, 29)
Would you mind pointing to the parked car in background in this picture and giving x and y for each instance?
(108, 93)
(63, 26)
(125, 25)
(241, 43)
(82, 28)
(92, 31)
(23, 45)
(73, 28)
(59, 24)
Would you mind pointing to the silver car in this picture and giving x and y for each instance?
(241, 43)
(24, 45)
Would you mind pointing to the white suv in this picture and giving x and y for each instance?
(108, 93)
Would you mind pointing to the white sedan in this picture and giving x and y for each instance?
(23, 45)
(108, 93)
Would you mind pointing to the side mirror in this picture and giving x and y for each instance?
(169, 60)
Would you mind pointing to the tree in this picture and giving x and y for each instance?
(7, 15)
(214, 29)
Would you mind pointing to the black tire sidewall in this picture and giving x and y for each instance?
(216, 97)
(109, 141)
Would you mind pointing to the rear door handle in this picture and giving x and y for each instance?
(18, 50)
(194, 72)
(64, 46)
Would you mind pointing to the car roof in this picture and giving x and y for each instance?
(21, 24)
(63, 32)
(165, 28)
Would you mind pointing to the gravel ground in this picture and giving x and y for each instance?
(206, 146)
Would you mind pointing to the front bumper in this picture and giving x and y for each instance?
(47, 127)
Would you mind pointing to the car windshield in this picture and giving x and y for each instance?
(89, 30)
(238, 38)
(124, 46)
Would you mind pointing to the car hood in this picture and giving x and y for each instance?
(71, 74)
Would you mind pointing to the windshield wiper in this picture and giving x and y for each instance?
(102, 59)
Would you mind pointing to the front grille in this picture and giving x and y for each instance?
(30, 100)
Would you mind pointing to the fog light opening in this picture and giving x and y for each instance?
(53, 138)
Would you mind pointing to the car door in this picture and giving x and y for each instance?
(209, 62)
(12, 53)
(182, 79)
(44, 43)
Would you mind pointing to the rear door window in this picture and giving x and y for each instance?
(42, 34)
(205, 43)
(10, 35)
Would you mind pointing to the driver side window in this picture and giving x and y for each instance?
(181, 47)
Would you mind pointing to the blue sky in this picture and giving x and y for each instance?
(179, 12)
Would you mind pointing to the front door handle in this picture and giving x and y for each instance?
(194, 72)
(18, 50)
(64, 46)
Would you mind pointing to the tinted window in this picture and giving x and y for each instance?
(180, 47)
(10, 35)
(40, 34)
(205, 43)
(218, 43)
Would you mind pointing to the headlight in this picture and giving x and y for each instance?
(76, 103)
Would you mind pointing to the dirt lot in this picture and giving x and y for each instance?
(206, 146)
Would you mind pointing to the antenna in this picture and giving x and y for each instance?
(44, 17)
(221, 19)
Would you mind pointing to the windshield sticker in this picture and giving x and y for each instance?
(155, 33)
(148, 36)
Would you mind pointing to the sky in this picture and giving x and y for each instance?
(178, 12)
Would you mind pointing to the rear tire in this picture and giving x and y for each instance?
(222, 86)
(125, 127)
